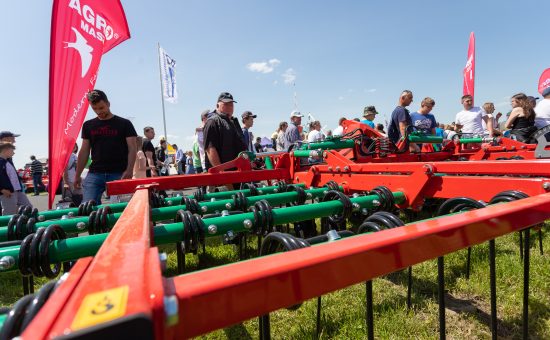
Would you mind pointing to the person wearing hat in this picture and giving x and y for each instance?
(223, 136)
(11, 189)
(542, 110)
(248, 120)
(369, 114)
(8, 136)
(292, 133)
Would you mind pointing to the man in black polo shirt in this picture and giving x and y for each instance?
(223, 136)
(112, 142)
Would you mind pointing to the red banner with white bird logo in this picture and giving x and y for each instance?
(82, 31)
(470, 68)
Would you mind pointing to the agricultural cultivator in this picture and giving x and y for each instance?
(328, 214)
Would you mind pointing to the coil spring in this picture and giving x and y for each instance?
(97, 221)
(191, 205)
(332, 185)
(337, 222)
(380, 220)
(387, 202)
(24, 311)
(240, 201)
(382, 146)
(34, 252)
(281, 186)
(86, 208)
(28, 211)
(199, 195)
(157, 200)
(20, 226)
(263, 217)
(457, 204)
(253, 189)
(193, 231)
(302, 196)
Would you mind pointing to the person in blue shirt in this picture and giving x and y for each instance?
(423, 120)
(400, 117)
(369, 114)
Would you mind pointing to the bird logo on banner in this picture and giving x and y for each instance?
(84, 50)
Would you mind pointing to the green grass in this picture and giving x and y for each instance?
(343, 313)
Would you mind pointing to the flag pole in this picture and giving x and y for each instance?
(162, 96)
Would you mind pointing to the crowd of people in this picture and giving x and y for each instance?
(117, 152)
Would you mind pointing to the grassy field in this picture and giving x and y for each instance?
(343, 313)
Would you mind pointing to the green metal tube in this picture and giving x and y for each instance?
(268, 163)
(74, 248)
(425, 139)
(330, 144)
(79, 224)
(471, 140)
(307, 153)
(119, 207)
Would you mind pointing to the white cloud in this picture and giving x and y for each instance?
(370, 90)
(173, 136)
(263, 66)
(190, 138)
(341, 98)
(275, 82)
(289, 76)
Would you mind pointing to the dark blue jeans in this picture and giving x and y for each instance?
(94, 184)
(37, 183)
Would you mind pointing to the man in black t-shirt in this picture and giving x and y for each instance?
(223, 136)
(112, 143)
(149, 151)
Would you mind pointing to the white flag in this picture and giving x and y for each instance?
(168, 76)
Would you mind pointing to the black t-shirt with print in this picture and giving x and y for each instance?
(225, 135)
(108, 143)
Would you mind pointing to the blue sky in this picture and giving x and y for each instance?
(341, 55)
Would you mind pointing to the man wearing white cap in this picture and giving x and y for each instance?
(292, 133)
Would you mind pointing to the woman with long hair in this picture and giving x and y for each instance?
(522, 118)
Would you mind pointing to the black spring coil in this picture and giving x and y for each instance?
(240, 201)
(508, 196)
(98, 222)
(28, 211)
(20, 226)
(281, 186)
(387, 202)
(24, 311)
(199, 195)
(34, 252)
(302, 196)
(193, 230)
(457, 204)
(157, 200)
(380, 220)
(86, 208)
(332, 185)
(263, 217)
(191, 205)
(253, 189)
(337, 222)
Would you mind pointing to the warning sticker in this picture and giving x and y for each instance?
(101, 307)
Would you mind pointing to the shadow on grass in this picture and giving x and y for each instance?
(238, 331)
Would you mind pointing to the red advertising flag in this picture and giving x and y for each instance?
(470, 68)
(544, 80)
(82, 31)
